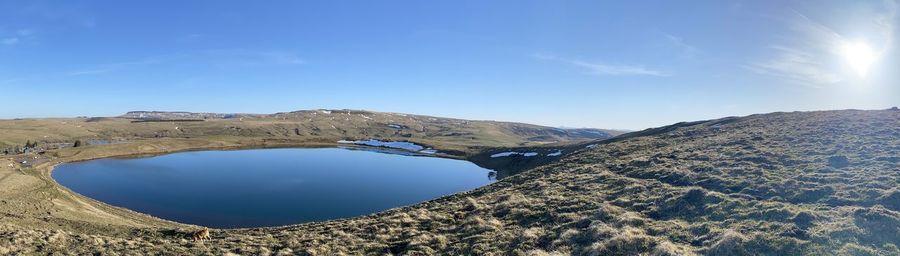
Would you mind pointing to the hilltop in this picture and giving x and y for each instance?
(799, 183)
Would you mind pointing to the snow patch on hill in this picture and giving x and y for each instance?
(505, 154)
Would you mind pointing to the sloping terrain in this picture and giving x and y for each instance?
(802, 183)
(453, 135)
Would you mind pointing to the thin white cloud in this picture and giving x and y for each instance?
(104, 69)
(603, 69)
(223, 58)
(245, 57)
(618, 70)
(798, 66)
(11, 80)
(687, 51)
(885, 23)
(17, 37)
(804, 62)
(809, 56)
(88, 72)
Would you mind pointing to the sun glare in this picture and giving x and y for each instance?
(859, 56)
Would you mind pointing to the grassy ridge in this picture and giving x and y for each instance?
(313, 125)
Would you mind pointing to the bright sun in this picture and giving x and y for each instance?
(859, 55)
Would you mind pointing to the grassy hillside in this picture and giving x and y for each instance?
(803, 183)
(313, 125)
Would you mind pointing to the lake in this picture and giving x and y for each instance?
(269, 187)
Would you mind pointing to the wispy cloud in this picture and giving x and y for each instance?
(687, 51)
(807, 57)
(88, 72)
(246, 57)
(285, 58)
(886, 22)
(16, 37)
(618, 70)
(798, 66)
(103, 69)
(604, 69)
(11, 80)
(221, 58)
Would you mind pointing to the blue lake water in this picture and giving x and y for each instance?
(269, 187)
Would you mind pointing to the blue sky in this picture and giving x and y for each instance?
(605, 64)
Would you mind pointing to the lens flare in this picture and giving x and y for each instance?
(859, 56)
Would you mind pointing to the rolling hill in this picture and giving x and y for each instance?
(325, 126)
(799, 183)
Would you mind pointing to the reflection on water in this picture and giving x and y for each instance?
(269, 187)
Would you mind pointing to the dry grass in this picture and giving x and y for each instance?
(757, 185)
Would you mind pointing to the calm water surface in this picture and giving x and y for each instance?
(268, 187)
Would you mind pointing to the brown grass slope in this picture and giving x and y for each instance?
(803, 183)
(309, 125)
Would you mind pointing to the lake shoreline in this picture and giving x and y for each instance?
(35, 207)
(327, 171)
(49, 205)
